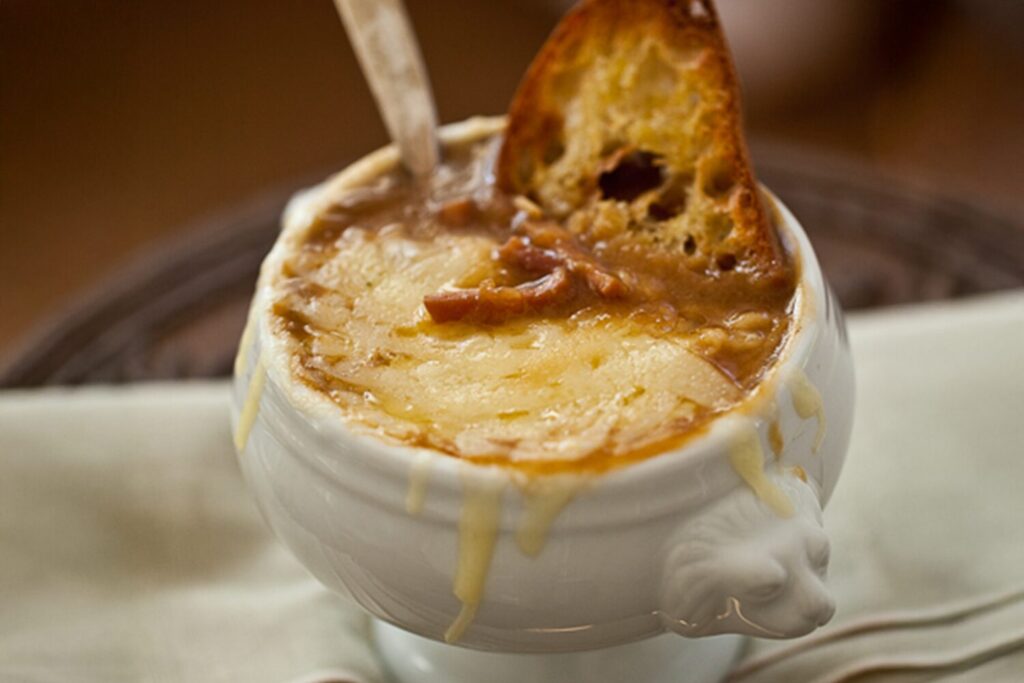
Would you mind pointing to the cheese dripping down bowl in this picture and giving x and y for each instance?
(722, 534)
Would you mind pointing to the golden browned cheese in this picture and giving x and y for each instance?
(597, 376)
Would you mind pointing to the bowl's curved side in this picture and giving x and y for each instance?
(821, 355)
(575, 563)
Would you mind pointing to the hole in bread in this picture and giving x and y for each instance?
(718, 179)
(660, 212)
(635, 173)
(719, 226)
(553, 151)
(690, 245)
(726, 261)
(672, 200)
(610, 147)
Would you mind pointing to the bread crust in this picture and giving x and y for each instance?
(620, 79)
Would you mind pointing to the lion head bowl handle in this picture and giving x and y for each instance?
(742, 567)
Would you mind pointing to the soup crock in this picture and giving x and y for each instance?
(722, 535)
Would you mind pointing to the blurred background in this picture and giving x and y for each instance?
(124, 123)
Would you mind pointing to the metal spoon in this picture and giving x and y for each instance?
(389, 55)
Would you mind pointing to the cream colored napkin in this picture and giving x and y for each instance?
(927, 523)
(131, 551)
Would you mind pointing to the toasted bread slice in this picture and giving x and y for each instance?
(627, 126)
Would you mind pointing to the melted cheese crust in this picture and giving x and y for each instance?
(530, 390)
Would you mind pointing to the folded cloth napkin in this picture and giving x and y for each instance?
(131, 551)
(927, 522)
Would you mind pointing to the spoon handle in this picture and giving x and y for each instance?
(389, 55)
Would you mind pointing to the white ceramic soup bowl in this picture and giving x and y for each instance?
(722, 535)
